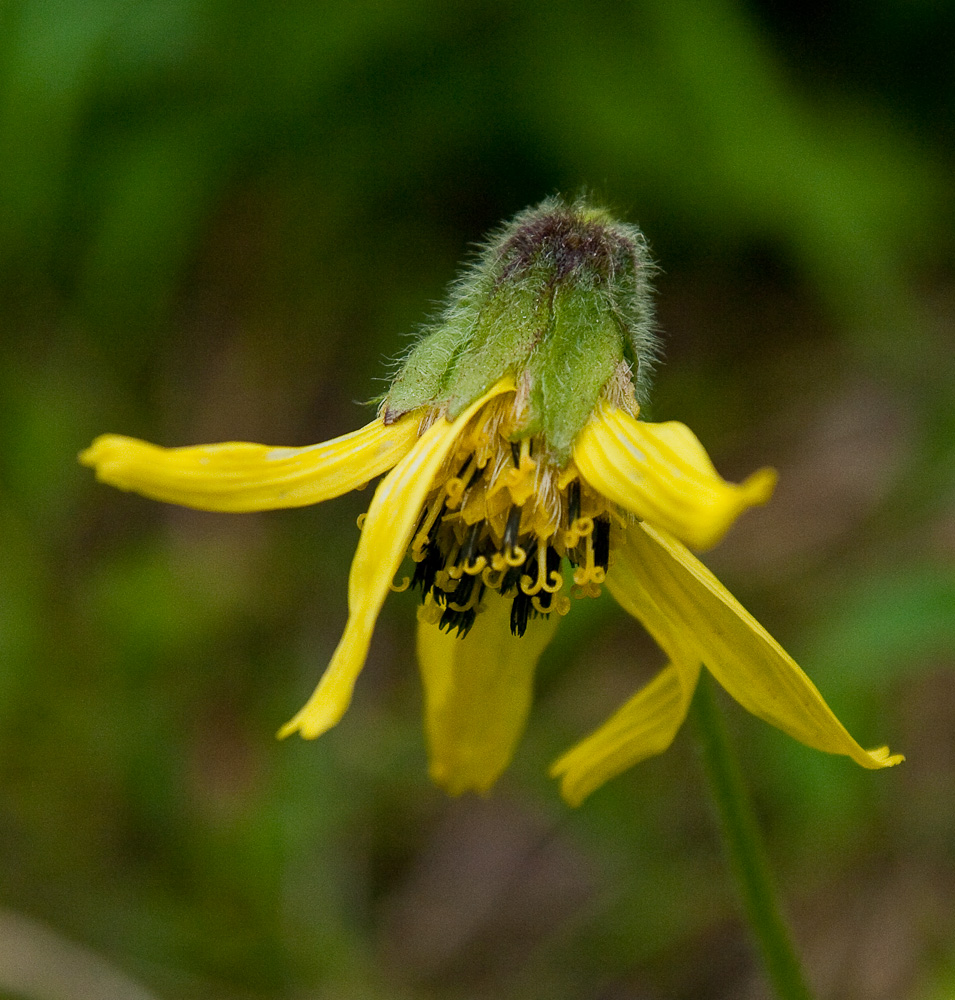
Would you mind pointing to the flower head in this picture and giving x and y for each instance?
(520, 475)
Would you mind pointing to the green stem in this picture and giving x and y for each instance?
(744, 846)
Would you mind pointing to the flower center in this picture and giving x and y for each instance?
(504, 518)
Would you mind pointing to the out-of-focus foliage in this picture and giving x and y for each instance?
(217, 221)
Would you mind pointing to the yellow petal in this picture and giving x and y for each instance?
(389, 525)
(629, 586)
(736, 649)
(661, 473)
(238, 476)
(643, 727)
(477, 694)
(648, 722)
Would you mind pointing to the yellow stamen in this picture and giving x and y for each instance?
(589, 573)
(471, 602)
(536, 602)
(515, 556)
(581, 528)
(473, 567)
(421, 538)
(548, 582)
(528, 584)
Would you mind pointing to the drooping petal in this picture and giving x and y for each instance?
(643, 727)
(661, 473)
(737, 650)
(646, 724)
(477, 694)
(389, 525)
(238, 476)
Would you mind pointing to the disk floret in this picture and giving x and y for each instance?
(504, 517)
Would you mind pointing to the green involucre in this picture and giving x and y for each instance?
(558, 298)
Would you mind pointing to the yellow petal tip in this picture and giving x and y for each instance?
(97, 451)
(759, 487)
(454, 782)
(308, 723)
(574, 792)
(882, 758)
(575, 781)
(115, 458)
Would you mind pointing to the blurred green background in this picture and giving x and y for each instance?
(222, 220)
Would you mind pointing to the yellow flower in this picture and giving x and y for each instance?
(504, 507)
